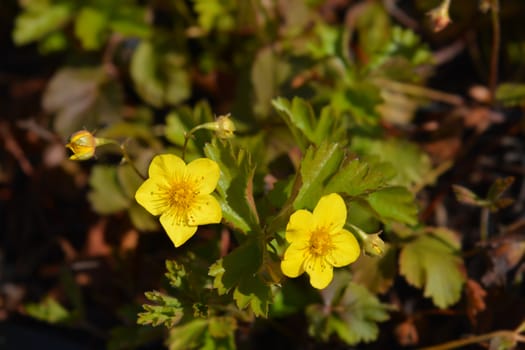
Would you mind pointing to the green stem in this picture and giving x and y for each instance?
(473, 340)
(189, 134)
(496, 43)
(131, 163)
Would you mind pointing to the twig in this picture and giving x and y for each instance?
(398, 14)
(416, 90)
(14, 148)
(496, 42)
(473, 340)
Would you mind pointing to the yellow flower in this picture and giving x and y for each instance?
(180, 194)
(83, 145)
(318, 242)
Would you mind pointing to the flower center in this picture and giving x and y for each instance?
(181, 199)
(320, 242)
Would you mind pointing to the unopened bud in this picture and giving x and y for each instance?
(372, 244)
(225, 127)
(83, 144)
(439, 16)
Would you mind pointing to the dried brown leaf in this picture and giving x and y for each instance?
(475, 299)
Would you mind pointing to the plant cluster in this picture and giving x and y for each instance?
(305, 197)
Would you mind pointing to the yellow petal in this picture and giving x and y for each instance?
(300, 226)
(206, 210)
(151, 196)
(346, 249)
(293, 261)
(178, 234)
(330, 212)
(320, 272)
(166, 165)
(206, 172)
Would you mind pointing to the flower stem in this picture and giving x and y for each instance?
(187, 136)
(126, 156)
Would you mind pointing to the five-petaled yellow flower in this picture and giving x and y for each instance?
(181, 195)
(318, 242)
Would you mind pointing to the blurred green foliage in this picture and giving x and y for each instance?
(310, 95)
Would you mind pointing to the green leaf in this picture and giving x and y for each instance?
(430, 262)
(205, 334)
(142, 219)
(511, 94)
(53, 42)
(255, 293)
(184, 119)
(37, 22)
(466, 196)
(166, 310)
(130, 21)
(188, 336)
(373, 28)
(235, 185)
(412, 165)
(357, 177)
(242, 262)
(239, 270)
(400, 55)
(48, 310)
(106, 195)
(160, 76)
(499, 186)
(394, 203)
(90, 27)
(306, 128)
(317, 166)
(215, 14)
(361, 101)
(175, 273)
(354, 317)
(82, 98)
(222, 327)
(128, 179)
(298, 116)
(268, 72)
(376, 274)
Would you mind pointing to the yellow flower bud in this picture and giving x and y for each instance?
(83, 144)
(224, 127)
(374, 245)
